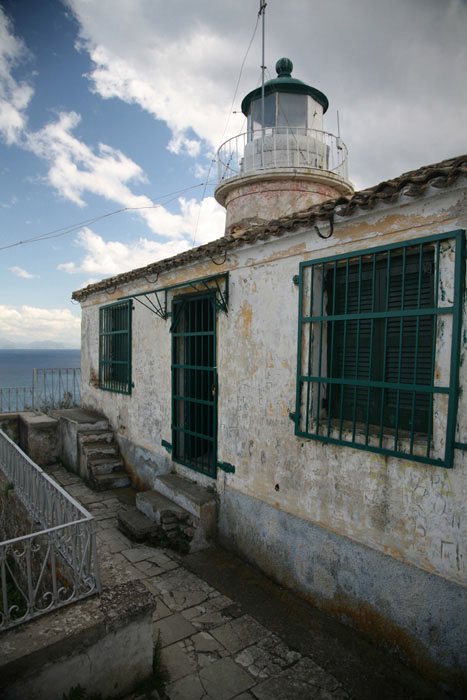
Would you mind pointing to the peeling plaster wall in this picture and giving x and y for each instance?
(412, 512)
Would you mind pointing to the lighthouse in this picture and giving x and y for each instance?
(285, 161)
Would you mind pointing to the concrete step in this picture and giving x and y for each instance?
(100, 450)
(136, 525)
(86, 436)
(105, 465)
(154, 506)
(197, 500)
(175, 526)
(112, 480)
(82, 419)
(179, 505)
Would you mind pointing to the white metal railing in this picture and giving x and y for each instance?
(17, 398)
(282, 147)
(57, 387)
(56, 563)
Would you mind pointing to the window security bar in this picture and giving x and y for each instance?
(379, 347)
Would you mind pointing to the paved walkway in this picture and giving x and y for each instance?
(222, 647)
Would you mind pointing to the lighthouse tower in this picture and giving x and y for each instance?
(285, 162)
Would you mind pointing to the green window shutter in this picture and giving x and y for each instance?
(410, 352)
(395, 350)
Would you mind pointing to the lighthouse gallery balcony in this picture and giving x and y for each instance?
(275, 148)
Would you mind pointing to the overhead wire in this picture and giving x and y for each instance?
(193, 240)
(56, 233)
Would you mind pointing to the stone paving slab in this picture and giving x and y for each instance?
(224, 679)
(268, 657)
(180, 589)
(173, 628)
(211, 650)
(161, 609)
(149, 568)
(221, 680)
(240, 633)
(304, 680)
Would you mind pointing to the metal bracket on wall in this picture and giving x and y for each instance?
(226, 467)
(167, 446)
(159, 307)
(155, 300)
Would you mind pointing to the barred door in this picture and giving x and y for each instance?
(194, 383)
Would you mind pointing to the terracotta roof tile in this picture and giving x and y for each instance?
(411, 184)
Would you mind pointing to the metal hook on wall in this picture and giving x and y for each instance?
(331, 229)
(152, 281)
(222, 261)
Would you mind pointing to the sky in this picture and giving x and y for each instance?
(112, 111)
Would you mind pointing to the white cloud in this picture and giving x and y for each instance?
(19, 272)
(108, 258)
(183, 67)
(180, 71)
(204, 221)
(14, 96)
(76, 170)
(26, 324)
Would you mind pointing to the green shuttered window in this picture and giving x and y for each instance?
(378, 348)
(115, 347)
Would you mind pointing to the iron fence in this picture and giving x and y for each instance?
(53, 565)
(52, 388)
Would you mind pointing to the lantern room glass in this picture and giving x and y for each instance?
(291, 110)
(281, 109)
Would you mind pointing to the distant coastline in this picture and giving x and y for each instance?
(36, 345)
(16, 364)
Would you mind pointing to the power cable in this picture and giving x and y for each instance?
(193, 240)
(56, 233)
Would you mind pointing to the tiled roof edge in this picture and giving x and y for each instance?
(411, 184)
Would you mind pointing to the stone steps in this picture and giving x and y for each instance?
(100, 450)
(105, 465)
(102, 435)
(184, 512)
(100, 459)
(112, 480)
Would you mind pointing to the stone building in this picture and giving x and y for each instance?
(309, 366)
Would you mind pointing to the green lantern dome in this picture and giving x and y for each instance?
(285, 83)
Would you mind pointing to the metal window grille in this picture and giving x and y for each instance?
(194, 383)
(378, 348)
(115, 347)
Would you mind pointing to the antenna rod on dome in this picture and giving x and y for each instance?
(262, 11)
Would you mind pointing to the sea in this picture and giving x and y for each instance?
(16, 365)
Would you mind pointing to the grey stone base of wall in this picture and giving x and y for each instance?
(103, 644)
(419, 615)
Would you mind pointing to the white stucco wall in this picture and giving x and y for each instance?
(408, 510)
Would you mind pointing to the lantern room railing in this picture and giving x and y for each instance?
(282, 147)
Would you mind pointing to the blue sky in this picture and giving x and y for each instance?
(121, 104)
